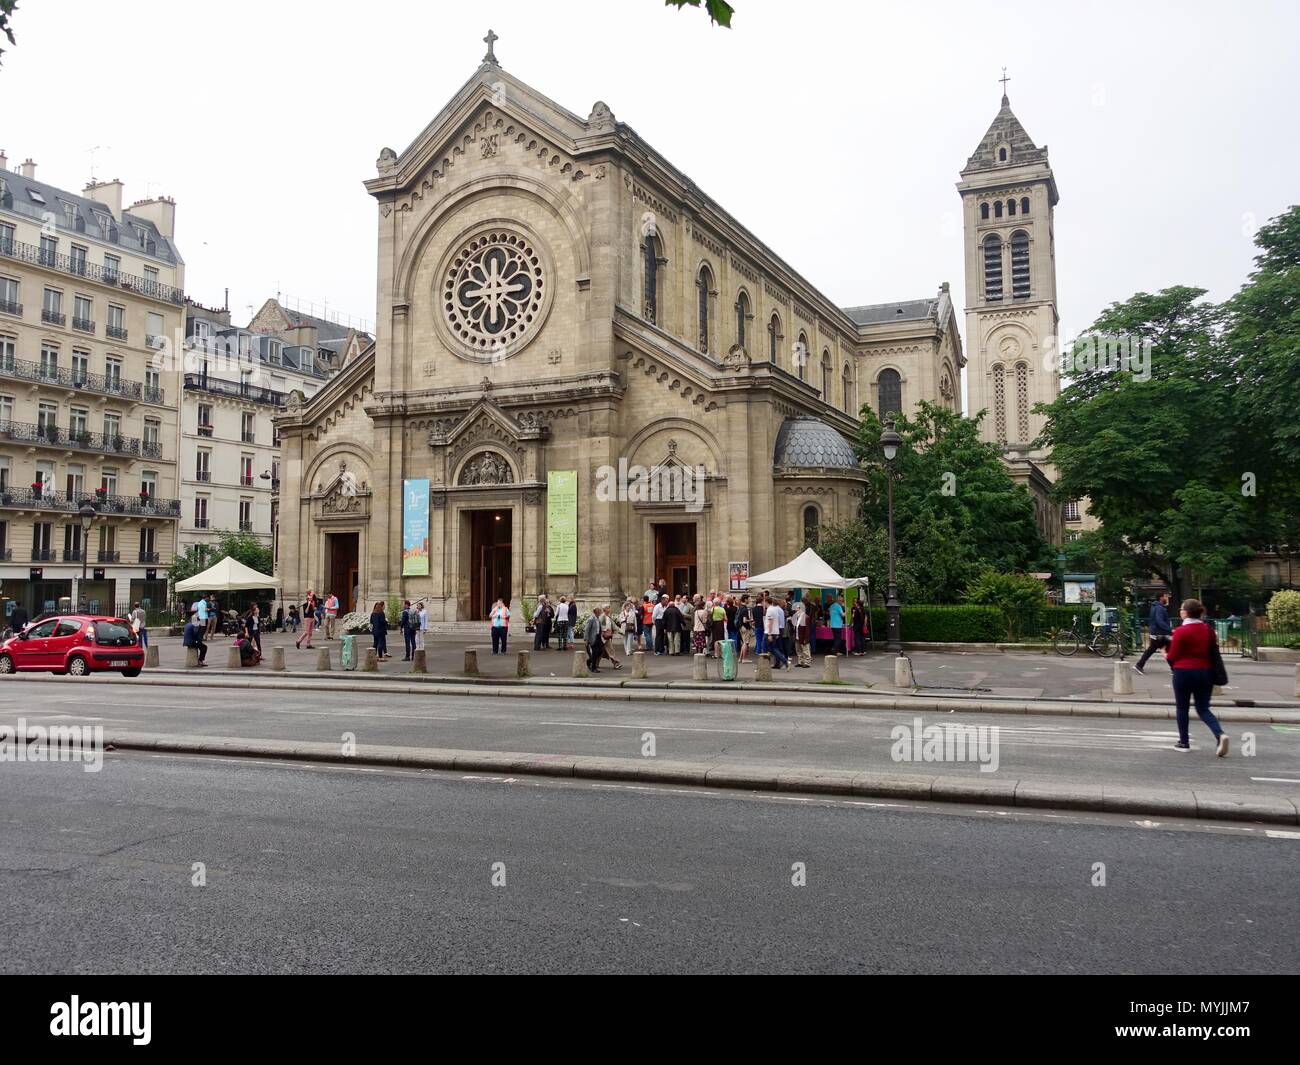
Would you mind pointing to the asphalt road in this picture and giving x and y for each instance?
(326, 869)
(1076, 749)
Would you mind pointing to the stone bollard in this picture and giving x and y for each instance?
(277, 659)
(232, 658)
(371, 664)
(1297, 681)
(471, 663)
(764, 667)
(151, 656)
(700, 667)
(638, 666)
(191, 658)
(419, 664)
(580, 664)
(903, 673)
(831, 668)
(323, 660)
(524, 664)
(1123, 683)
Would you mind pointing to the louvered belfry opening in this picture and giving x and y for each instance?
(992, 268)
(1020, 266)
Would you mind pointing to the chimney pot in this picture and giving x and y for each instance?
(29, 169)
(4, 160)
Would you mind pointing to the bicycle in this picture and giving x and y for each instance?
(1104, 642)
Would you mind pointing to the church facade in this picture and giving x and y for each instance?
(558, 305)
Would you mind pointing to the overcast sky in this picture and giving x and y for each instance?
(833, 131)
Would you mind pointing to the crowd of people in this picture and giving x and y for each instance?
(665, 624)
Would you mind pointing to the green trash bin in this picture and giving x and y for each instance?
(348, 654)
(728, 660)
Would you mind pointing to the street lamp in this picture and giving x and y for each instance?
(87, 513)
(889, 441)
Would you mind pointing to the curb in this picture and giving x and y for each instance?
(844, 782)
(760, 694)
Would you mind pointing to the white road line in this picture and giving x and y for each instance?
(1275, 833)
(661, 728)
(1277, 780)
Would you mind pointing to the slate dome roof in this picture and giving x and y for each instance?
(811, 442)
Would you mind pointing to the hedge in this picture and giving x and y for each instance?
(925, 623)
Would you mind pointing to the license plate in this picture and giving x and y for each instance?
(118, 662)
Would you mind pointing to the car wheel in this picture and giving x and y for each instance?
(131, 672)
(78, 666)
(6, 664)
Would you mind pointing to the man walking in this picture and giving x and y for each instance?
(591, 635)
(331, 613)
(1158, 630)
(774, 631)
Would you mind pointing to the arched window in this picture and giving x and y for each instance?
(826, 375)
(1020, 265)
(1022, 401)
(993, 268)
(742, 316)
(849, 398)
(801, 357)
(1002, 155)
(1024, 205)
(999, 402)
(997, 209)
(889, 389)
(984, 212)
(812, 521)
(703, 289)
(773, 338)
(1011, 206)
(650, 266)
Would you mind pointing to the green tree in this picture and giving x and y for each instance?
(243, 547)
(7, 8)
(720, 11)
(956, 509)
(1020, 597)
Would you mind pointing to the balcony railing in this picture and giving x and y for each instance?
(72, 378)
(72, 556)
(200, 523)
(152, 394)
(246, 438)
(245, 526)
(6, 554)
(203, 475)
(65, 263)
(246, 480)
(110, 556)
(11, 307)
(44, 554)
(53, 436)
(53, 317)
(235, 389)
(49, 499)
(84, 324)
(115, 332)
(148, 556)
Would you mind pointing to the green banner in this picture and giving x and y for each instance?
(562, 522)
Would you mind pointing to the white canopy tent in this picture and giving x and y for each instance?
(227, 575)
(809, 570)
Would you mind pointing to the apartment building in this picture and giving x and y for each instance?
(90, 295)
(234, 380)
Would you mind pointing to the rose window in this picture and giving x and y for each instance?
(492, 291)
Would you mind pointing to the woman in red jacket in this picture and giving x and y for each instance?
(1189, 658)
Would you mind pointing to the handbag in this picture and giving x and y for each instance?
(1218, 671)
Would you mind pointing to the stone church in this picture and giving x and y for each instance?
(555, 298)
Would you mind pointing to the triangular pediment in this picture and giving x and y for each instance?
(492, 103)
(486, 417)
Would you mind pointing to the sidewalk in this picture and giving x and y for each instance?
(959, 675)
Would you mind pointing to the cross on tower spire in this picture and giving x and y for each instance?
(490, 40)
(1004, 79)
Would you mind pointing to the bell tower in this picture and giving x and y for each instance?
(1008, 197)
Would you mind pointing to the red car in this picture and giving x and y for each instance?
(76, 644)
